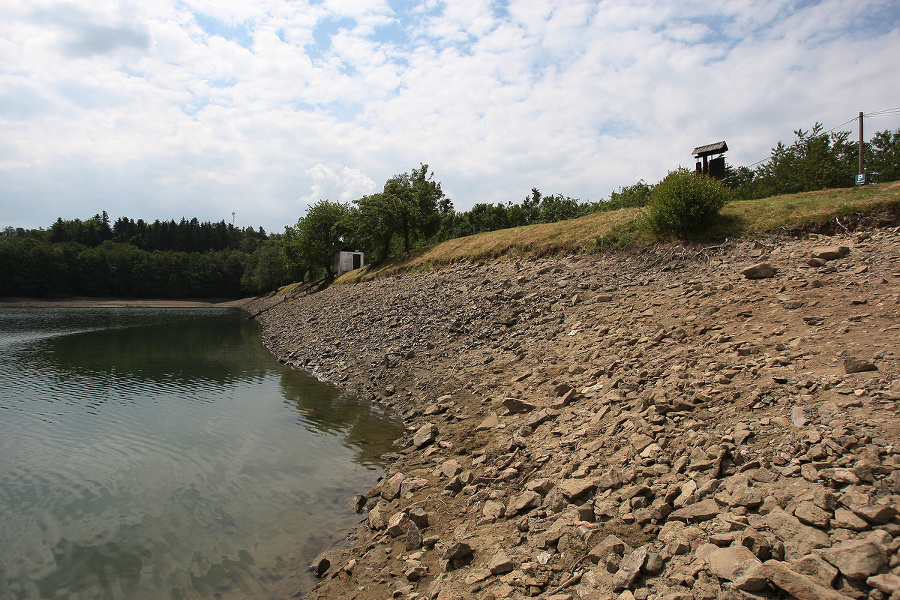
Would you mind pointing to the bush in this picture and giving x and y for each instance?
(685, 203)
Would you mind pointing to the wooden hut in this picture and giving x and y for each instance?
(714, 167)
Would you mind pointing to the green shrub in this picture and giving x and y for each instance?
(685, 204)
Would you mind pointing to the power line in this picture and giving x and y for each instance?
(842, 124)
(887, 112)
(894, 110)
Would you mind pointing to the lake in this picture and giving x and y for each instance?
(151, 453)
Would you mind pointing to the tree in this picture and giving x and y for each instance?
(373, 223)
(312, 243)
(264, 269)
(411, 207)
(630, 196)
(415, 202)
(814, 161)
(883, 160)
(531, 207)
(558, 208)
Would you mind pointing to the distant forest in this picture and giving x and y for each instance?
(162, 259)
(190, 259)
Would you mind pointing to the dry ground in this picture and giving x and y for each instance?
(622, 425)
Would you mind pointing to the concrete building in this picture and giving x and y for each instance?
(347, 260)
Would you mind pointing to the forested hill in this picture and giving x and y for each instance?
(160, 259)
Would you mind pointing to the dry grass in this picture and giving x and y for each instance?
(588, 234)
(797, 210)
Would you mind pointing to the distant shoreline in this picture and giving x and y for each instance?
(82, 302)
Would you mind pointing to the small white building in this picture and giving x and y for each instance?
(347, 260)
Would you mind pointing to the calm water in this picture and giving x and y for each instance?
(163, 453)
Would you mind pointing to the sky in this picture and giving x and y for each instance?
(248, 111)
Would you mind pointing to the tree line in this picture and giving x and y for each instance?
(411, 211)
(817, 160)
(162, 259)
(170, 259)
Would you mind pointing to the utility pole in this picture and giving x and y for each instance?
(861, 171)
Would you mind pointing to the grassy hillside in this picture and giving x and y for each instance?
(602, 231)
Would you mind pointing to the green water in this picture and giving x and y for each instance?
(163, 453)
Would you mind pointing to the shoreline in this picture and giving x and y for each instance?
(87, 302)
(620, 425)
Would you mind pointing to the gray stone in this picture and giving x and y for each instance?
(610, 545)
(414, 570)
(490, 422)
(841, 476)
(830, 252)
(541, 486)
(811, 514)
(629, 569)
(398, 524)
(609, 480)
(321, 565)
(391, 488)
(750, 497)
(477, 575)
(501, 563)
(419, 516)
(737, 565)
(524, 502)
(798, 586)
(493, 510)
(878, 514)
(825, 499)
(377, 519)
(887, 583)
(451, 468)
(654, 563)
(855, 365)
(847, 519)
(457, 551)
(701, 511)
(412, 484)
(857, 559)
(575, 488)
(425, 435)
(516, 406)
(799, 539)
(413, 537)
(535, 419)
(759, 271)
(814, 566)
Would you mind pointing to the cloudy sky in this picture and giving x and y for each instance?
(159, 109)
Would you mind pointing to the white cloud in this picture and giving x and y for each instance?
(165, 109)
(338, 186)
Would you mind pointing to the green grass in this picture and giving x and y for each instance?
(628, 227)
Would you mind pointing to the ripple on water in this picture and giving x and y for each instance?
(167, 463)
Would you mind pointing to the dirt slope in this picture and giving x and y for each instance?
(636, 425)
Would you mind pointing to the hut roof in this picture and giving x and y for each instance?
(709, 149)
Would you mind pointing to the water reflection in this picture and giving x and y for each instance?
(217, 346)
(368, 429)
(155, 453)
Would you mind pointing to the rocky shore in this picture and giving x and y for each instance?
(663, 424)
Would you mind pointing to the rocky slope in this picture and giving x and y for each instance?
(633, 425)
